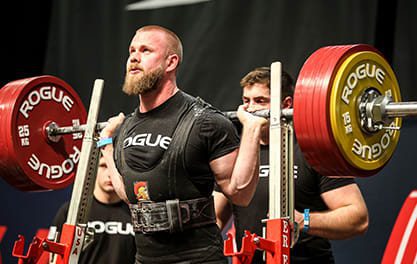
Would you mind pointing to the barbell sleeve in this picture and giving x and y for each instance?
(400, 109)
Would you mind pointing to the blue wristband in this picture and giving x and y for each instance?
(104, 141)
(306, 220)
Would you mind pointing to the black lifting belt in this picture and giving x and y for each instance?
(172, 215)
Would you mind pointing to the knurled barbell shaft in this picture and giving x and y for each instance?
(287, 113)
(54, 130)
(400, 109)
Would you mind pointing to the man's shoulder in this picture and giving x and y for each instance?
(198, 102)
(205, 111)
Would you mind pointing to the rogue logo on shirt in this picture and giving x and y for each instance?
(112, 227)
(147, 139)
(264, 171)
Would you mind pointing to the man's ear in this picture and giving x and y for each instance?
(287, 102)
(172, 62)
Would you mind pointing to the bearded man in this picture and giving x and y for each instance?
(166, 156)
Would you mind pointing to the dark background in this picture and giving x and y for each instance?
(81, 40)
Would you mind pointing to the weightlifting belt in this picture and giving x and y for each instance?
(172, 215)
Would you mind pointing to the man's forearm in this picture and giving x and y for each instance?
(246, 169)
(342, 223)
(115, 176)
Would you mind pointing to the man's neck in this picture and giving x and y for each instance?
(157, 97)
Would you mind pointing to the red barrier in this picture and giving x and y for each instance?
(402, 244)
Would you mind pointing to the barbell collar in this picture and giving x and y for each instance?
(379, 112)
(384, 107)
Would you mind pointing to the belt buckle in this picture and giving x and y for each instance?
(144, 206)
(186, 207)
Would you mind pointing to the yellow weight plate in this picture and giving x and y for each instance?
(358, 73)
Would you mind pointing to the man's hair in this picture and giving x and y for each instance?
(174, 42)
(262, 75)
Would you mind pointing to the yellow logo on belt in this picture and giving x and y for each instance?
(141, 190)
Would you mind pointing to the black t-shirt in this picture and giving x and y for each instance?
(114, 237)
(149, 136)
(309, 185)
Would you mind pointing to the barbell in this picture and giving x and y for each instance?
(347, 115)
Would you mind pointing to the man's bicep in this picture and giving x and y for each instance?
(222, 169)
(343, 196)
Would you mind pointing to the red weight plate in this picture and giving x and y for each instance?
(314, 127)
(29, 160)
(311, 110)
(320, 102)
(308, 107)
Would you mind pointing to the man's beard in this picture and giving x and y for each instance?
(135, 85)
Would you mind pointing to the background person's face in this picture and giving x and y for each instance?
(103, 180)
(256, 97)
